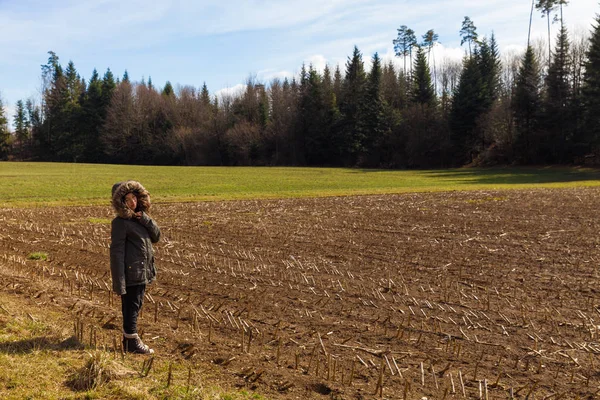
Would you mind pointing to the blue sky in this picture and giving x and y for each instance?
(222, 43)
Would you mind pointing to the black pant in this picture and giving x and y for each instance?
(131, 304)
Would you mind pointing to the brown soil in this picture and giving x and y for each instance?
(410, 296)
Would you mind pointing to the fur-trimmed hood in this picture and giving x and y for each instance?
(121, 189)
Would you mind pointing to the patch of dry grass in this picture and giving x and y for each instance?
(99, 369)
(41, 359)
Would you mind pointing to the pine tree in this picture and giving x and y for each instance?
(58, 129)
(467, 107)
(403, 43)
(430, 39)
(4, 134)
(58, 138)
(468, 33)
(474, 97)
(489, 63)
(47, 73)
(353, 92)
(373, 117)
(392, 91)
(412, 43)
(204, 96)
(93, 114)
(327, 80)
(73, 146)
(526, 107)
(167, 90)
(422, 91)
(311, 113)
(125, 77)
(547, 7)
(331, 119)
(337, 83)
(34, 119)
(20, 124)
(263, 110)
(73, 82)
(282, 122)
(108, 87)
(557, 103)
(591, 90)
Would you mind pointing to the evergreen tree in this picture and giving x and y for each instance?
(20, 124)
(167, 90)
(591, 90)
(337, 83)
(422, 91)
(392, 90)
(467, 107)
(474, 97)
(282, 122)
(557, 103)
(263, 109)
(327, 80)
(331, 119)
(126, 77)
(73, 82)
(59, 126)
(526, 107)
(47, 74)
(205, 96)
(547, 7)
(403, 43)
(489, 63)
(4, 134)
(373, 118)
(353, 92)
(108, 87)
(412, 42)
(93, 114)
(468, 33)
(34, 120)
(429, 41)
(311, 113)
(72, 145)
(43, 139)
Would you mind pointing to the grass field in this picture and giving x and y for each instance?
(31, 184)
(39, 358)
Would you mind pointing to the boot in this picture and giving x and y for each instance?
(133, 344)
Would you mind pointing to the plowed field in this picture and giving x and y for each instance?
(444, 295)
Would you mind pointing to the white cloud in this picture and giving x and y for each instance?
(440, 55)
(230, 92)
(267, 75)
(318, 62)
(9, 111)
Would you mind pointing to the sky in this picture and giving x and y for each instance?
(223, 43)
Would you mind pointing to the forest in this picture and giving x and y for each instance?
(538, 107)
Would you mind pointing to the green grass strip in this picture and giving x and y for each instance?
(42, 184)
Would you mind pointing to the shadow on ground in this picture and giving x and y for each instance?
(514, 176)
(26, 346)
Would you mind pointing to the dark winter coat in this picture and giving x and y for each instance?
(131, 252)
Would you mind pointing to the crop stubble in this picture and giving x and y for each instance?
(440, 295)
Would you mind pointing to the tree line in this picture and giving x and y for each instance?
(535, 109)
